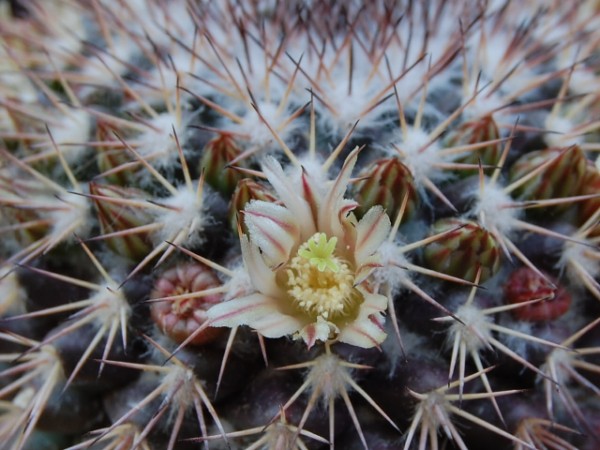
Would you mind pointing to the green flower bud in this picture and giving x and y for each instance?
(386, 182)
(110, 158)
(476, 132)
(587, 208)
(116, 216)
(246, 190)
(462, 252)
(217, 155)
(561, 178)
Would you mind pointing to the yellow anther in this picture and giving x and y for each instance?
(320, 283)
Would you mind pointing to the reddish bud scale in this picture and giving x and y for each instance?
(112, 157)
(25, 224)
(464, 251)
(179, 318)
(561, 178)
(115, 217)
(245, 191)
(476, 132)
(587, 208)
(386, 183)
(524, 285)
(217, 155)
(25, 235)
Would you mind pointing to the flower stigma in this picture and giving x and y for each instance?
(320, 283)
(320, 252)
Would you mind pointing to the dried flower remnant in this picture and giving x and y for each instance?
(177, 311)
(524, 285)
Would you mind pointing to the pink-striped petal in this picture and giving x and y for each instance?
(365, 332)
(373, 303)
(276, 325)
(367, 267)
(273, 228)
(261, 276)
(258, 312)
(290, 193)
(334, 201)
(316, 331)
(371, 231)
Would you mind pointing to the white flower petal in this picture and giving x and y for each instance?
(261, 276)
(290, 194)
(371, 231)
(316, 331)
(365, 332)
(273, 228)
(329, 221)
(367, 267)
(258, 312)
(372, 302)
(275, 325)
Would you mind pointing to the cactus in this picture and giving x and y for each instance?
(299, 225)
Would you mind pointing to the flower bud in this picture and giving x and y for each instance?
(476, 132)
(115, 217)
(464, 251)
(24, 223)
(561, 178)
(587, 208)
(386, 182)
(217, 154)
(109, 158)
(246, 190)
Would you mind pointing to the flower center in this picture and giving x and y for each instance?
(181, 306)
(320, 283)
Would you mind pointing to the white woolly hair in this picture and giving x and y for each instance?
(158, 144)
(72, 213)
(239, 284)
(474, 319)
(492, 208)
(101, 67)
(579, 254)
(517, 344)
(184, 213)
(561, 127)
(349, 100)
(258, 132)
(392, 261)
(421, 163)
(71, 134)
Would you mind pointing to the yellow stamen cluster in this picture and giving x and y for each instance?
(320, 283)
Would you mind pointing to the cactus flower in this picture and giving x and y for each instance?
(310, 261)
